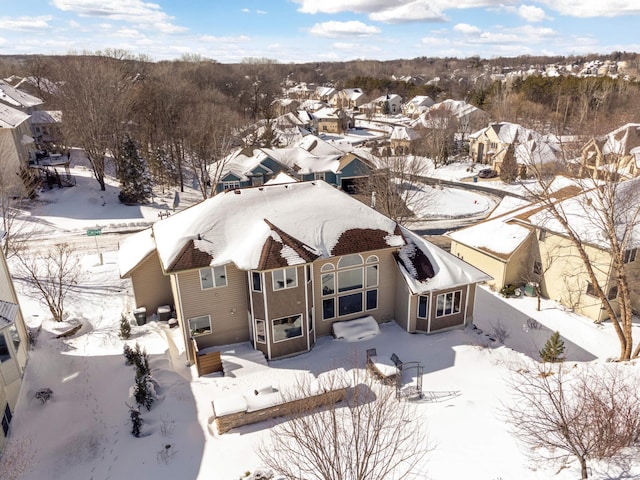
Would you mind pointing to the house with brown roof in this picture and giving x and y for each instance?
(278, 265)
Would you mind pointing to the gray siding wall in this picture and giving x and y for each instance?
(151, 288)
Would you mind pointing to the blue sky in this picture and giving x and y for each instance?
(320, 30)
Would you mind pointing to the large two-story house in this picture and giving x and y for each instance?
(278, 265)
(14, 343)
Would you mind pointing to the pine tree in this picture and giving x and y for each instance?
(136, 421)
(135, 179)
(509, 166)
(553, 349)
(125, 327)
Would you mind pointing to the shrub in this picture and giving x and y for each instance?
(129, 354)
(145, 391)
(136, 421)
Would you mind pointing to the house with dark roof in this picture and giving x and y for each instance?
(278, 265)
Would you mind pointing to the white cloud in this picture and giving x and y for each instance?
(214, 39)
(466, 29)
(24, 24)
(531, 13)
(416, 11)
(245, 10)
(594, 8)
(149, 15)
(334, 29)
(337, 6)
(261, 12)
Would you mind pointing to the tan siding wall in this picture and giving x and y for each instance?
(472, 303)
(387, 275)
(227, 306)
(402, 298)
(151, 288)
(285, 302)
(565, 277)
(489, 265)
(520, 263)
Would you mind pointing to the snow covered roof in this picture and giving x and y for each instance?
(46, 116)
(622, 140)
(318, 146)
(280, 179)
(16, 97)
(421, 101)
(500, 236)
(134, 249)
(8, 313)
(353, 93)
(11, 117)
(272, 226)
(404, 133)
(426, 267)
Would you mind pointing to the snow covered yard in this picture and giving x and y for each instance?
(83, 431)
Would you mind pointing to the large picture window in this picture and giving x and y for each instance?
(287, 328)
(200, 325)
(352, 288)
(285, 278)
(448, 303)
(213, 277)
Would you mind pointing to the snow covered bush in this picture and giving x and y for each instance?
(136, 420)
(129, 354)
(125, 327)
(145, 391)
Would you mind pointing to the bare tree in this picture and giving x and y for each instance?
(600, 209)
(96, 92)
(51, 275)
(586, 414)
(396, 189)
(371, 436)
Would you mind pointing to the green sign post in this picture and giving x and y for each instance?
(94, 232)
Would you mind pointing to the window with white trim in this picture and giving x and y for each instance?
(423, 306)
(448, 303)
(199, 325)
(231, 185)
(213, 277)
(319, 175)
(352, 288)
(5, 353)
(6, 419)
(286, 328)
(15, 337)
(285, 278)
(260, 331)
(630, 255)
(256, 281)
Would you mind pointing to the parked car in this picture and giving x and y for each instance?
(487, 173)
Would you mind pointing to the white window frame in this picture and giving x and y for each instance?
(214, 276)
(261, 332)
(231, 185)
(453, 304)
(426, 310)
(200, 317)
(253, 283)
(285, 277)
(630, 255)
(347, 265)
(273, 331)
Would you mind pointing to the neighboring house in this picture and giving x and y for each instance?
(282, 106)
(16, 146)
(403, 139)
(324, 94)
(492, 144)
(14, 342)
(45, 126)
(332, 120)
(312, 159)
(348, 99)
(461, 116)
(17, 98)
(417, 105)
(389, 104)
(526, 244)
(616, 154)
(278, 265)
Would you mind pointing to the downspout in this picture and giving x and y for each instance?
(429, 312)
(306, 303)
(466, 305)
(408, 310)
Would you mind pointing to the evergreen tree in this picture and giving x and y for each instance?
(509, 166)
(553, 349)
(125, 327)
(135, 179)
(136, 421)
